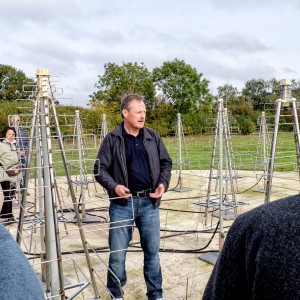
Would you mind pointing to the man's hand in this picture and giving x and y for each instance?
(159, 191)
(122, 191)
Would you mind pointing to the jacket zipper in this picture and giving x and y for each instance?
(150, 165)
(123, 162)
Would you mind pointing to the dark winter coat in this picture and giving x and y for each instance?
(110, 167)
(261, 255)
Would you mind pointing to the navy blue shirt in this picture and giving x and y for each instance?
(137, 162)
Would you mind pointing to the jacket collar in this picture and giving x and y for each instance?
(118, 132)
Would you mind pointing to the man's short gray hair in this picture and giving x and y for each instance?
(127, 99)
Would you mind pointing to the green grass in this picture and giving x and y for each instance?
(246, 153)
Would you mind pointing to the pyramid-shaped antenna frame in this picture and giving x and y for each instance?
(286, 101)
(43, 104)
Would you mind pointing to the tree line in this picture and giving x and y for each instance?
(174, 87)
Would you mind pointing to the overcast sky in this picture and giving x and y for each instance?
(228, 41)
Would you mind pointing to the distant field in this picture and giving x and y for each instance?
(245, 152)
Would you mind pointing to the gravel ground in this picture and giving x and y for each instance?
(184, 232)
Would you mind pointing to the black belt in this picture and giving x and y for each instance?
(142, 193)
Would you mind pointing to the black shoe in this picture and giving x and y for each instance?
(7, 216)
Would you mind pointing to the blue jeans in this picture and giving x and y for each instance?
(145, 214)
(17, 278)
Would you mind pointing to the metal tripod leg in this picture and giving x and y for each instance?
(274, 140)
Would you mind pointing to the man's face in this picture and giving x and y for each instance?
(135, 115)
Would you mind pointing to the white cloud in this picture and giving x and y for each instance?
(228, 41)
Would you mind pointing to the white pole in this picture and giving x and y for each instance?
(221, 233)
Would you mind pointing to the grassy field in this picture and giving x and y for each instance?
(244, 152)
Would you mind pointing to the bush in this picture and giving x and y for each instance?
(240, 109)
(245, 124)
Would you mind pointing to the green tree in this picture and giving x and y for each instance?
(8, 107)
(296, 89)
(246, 125)
(118, 81)
(228, 93)
(255, 92)
(160, 117)
(11, 83)
(181, 85)
(274, 94)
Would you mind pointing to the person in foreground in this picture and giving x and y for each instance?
(134, 166)
(261, 255)
(17, 278)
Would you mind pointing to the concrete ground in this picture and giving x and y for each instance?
(187, 227)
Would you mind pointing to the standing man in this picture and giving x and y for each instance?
(134, 166)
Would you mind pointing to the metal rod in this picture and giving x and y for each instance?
(50, 230)
(221, 233)
(75, 205)
(273, 150)
(81, 173)
(296, 134)
(27, 174)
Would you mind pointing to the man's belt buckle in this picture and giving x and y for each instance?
(143, 193)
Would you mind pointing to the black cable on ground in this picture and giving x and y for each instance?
(106, 249)
(172, 189)
(252, 186)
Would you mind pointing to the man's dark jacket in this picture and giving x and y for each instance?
(110, 167)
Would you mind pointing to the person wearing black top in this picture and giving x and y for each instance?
(134, 166)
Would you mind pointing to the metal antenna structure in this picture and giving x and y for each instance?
(79, 145)
(228, 177)
(104, 129)
(180, 143)
(262, 150)
(225, 199)
(40, 134)
(288, 102)
(103, 133)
